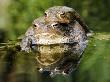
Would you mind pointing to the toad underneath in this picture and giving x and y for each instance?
(58, 45)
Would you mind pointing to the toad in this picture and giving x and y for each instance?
(63, 14)
(58, 47)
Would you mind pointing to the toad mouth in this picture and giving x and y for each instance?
(47, 40)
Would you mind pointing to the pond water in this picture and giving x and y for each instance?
(94, 66)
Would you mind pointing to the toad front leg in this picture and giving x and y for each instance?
(27, 43)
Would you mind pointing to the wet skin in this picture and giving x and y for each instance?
(63, 14)
(58, 46)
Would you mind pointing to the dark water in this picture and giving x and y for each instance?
(20, 67)
(94, 67)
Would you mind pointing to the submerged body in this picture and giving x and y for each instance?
(58, 46)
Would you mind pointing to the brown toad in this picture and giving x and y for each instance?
(63, 14)
(58, 46)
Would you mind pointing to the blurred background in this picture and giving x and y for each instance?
(17, 15)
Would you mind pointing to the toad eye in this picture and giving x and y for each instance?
(45, 14)
(62, 15)
(35, 25)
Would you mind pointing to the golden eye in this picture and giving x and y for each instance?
(62, 15)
